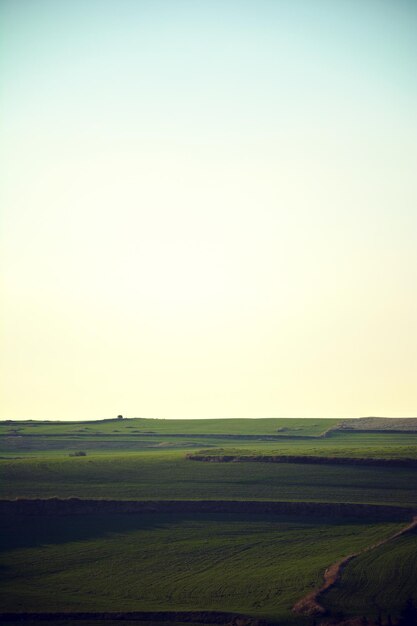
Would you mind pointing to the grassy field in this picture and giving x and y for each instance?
(168, 475)
(100, 622)
(257, 565)
(336, 443)
(254, 565)
(378, 582)
(138, 426)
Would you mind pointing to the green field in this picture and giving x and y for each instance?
(259, 565)
(24, 443)
(169, 476)
(102, 622)
(138, 426)
(378, 582)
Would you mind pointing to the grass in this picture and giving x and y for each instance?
(99, 622)
(257, 565)
(248, 564)
(168, 475)
(137, 426)
(378, 582)
(337, 443)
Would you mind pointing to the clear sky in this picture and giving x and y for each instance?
(209, 208)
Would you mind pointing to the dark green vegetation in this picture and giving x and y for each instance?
(100, 622)
(254, 564)
(378, 582)
(309, 459)
(170, 476)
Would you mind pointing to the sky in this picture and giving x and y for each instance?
(209, 208)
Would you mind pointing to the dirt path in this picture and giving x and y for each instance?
(310, 604)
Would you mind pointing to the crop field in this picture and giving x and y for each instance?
(250, 563)
(258, 565)
(378, 582)
(102, 622)
(385, 444)
(140, 426)
(169, 476)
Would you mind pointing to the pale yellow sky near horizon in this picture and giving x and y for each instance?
(203, 218)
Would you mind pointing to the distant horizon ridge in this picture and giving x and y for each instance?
(104, 419)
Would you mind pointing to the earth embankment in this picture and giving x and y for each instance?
(310, 604)
(70, 506)
(183, 617)
(302, 459)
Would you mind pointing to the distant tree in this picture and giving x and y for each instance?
(120, 417)
(408, 615)
(78, 453)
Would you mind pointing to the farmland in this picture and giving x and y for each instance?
(249, 562)
(177, 562)
(170, 476)
(378, 582)
(143, 426)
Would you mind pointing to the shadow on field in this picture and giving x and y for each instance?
(102, 623)
(28, 531)
(33, 531)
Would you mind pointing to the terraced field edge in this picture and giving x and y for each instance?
(202, 617)
(286, 458)
(310, 604)
(70, 506)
